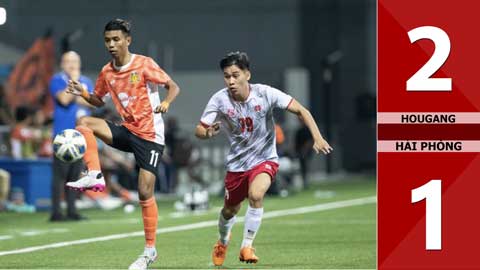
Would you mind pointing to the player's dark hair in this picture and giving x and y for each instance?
(239, 59)
(118, 24)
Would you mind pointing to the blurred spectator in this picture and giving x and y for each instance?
(283, 178)
(4, 188)
(17, 202)
(303, 148)
(12, 199)
(45, 148)
(280, 139)
(5, 113)
(23, 136)
(43, 127)
(168, 177)
(188, 157)
(181, 154)
(66, 112)
(171, 134)
(117, 165)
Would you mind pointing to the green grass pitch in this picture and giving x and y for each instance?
(339, 238)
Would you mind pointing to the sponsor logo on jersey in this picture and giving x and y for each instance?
(231, 112)
(134, 78)
(125, 99)
(257, 108)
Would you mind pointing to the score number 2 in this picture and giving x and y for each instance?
(432, 193)
(421, 81)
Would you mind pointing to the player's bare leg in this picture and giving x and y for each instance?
(253, 216)
(226, 221)
(146, 184)
(92, 127)
(257, 190)
(98, 126)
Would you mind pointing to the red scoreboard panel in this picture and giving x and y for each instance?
(428, 134)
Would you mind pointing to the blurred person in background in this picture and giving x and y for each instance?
(65, 114)
(6, 121)
(117, 165)
(182, 154)
(43, 126)
(303, 149)
(45, 149)
(24, 136)
(5, 113)
(133, 82)
(280, 139)
(4, 188)
(245, 112)
(283, 176)
(169, 177)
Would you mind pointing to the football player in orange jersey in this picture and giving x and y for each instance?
(132, 81)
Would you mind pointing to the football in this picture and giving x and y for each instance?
(69, 145)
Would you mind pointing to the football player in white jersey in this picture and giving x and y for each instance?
(245, 111)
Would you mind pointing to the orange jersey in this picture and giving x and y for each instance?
(134, 90)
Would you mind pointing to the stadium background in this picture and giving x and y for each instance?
(285, 39)
(322, 52)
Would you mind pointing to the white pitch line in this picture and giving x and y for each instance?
(5, 237)
(204, 224)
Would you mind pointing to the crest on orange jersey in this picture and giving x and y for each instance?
(134, 78)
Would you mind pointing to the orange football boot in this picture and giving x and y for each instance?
(247, 254)
(219, 252)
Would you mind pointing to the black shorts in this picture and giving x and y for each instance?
(147, 154)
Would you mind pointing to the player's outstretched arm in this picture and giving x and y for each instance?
(76, 88)
(173, 91)
(319, 143)
(207, 132)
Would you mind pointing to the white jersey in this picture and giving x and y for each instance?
(249, 125)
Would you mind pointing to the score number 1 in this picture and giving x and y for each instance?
(432, 193)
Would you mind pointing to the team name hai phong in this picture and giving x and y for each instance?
(428, 146)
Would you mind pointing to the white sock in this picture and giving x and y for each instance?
(225, 227)
(151, 251)
(253, 219)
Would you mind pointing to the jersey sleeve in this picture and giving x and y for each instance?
(57, 84)
(210, 113)
(153, 73)
(277, 98)
(101, 86)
